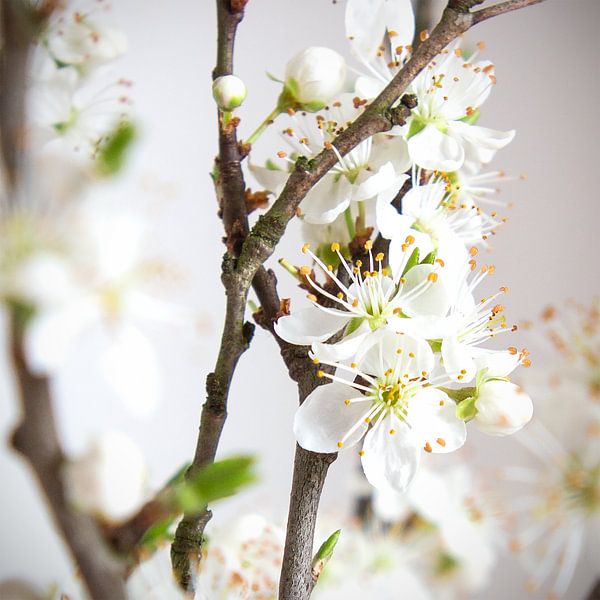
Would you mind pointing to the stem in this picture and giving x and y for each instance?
(262, 127)
(349, 222)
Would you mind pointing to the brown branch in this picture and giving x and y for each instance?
(594, 592)
(500, 9)
(37, 440)
(230, 186)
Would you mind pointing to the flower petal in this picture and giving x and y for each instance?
(432, 415)
(432, 149)
(345, 348)
(480, 143)
(323, 419)
(390, 460)
(310, 325)
(375, 183)
(435, 298)
(458, 360)
(328, 199)
(497, 363)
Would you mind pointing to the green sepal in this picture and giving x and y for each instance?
(353, 325)
(472, 118)
(466, 409)
(416, 125)
(436, 345)
(112, 153)
(430, 258)
(413, 260)
(328, 256)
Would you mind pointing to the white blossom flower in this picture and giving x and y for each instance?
(74, 38)
(229, 92)
(380, 34)
(110, 479)
(376, 164)
(78, 112)
(313, 77)
(372, 300)
(242, 561)
(449, 91)
(502, 407)
(391, 402)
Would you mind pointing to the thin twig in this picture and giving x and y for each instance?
(500, 9)
(236, 336)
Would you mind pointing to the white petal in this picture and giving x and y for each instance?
(343, 349)
(400, 18)
(434, 300)
(365, 27)
(390, 222)
(375, 183)
(130, 365)
(390, 460)
(368, 87)
(328, 199)
(432, 415)
(323, 419)
(497, 363)
(398, 256)
(423, 199)
(432, 149)
(310, 325)
(480, 143)
(458, 358)
(394, 149)
(272, 180)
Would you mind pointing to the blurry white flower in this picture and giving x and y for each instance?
(502, 407)
(313, 77)
(396, 407)
(73, 37)
(153, 579)
(110, 479)
(242, 561)
(79, 112)
(229, 92)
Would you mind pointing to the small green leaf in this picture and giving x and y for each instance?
(111, 156)
(158, 533)
(218, 480)
(412, 261)
(324, 553)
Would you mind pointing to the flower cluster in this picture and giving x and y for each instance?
(396, 322)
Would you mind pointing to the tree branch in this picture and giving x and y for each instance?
(37, 440)
(500, 9)
(236, 336)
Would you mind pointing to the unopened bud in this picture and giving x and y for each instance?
(229, 92)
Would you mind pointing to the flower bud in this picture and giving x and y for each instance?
(502, 407)
(312, 78)
(109, 480)
(229, 92)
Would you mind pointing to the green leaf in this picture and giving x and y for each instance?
(324, 553)
(218, 480)
(112, 154)
(158, 533)
(412, 261)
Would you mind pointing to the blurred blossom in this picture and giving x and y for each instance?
(108, 481)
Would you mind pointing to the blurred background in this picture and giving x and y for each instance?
(547, 65)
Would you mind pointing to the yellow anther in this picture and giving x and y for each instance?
(473, 251)
(330, 268)
(340, 444)
(340, 295)
(335, 247)
(358, 263)
(379, 256)
(367, 420)
(442, 403)
(361, 452)
(411, 354)
(440, 262)
(355, 303)
(316, 360)
(320, 374)
(433, 277)
(311, 297)
(398, 350)
(392, 431)
(409, 240)
(305, 270)
(368, 245)
(427, 447)
(512, 350)
(346, 402)
(305, 248)
(353, 365)
(441, 442)
(397, 310)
